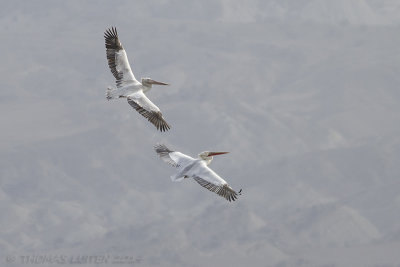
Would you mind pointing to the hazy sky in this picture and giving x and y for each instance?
(304, 94)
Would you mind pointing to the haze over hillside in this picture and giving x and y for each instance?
(304, 94)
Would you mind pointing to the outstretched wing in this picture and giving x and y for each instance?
(174, 158)
(207, 178)
(147, 109)
(117, 59)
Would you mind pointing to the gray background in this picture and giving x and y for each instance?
(303, 93)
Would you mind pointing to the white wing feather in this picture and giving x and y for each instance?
(181, 159)
(204, 172)
(174, 158)
(118, 60)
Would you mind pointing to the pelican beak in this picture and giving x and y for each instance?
(216, 153)
(158, 83)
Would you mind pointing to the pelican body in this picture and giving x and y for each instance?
(197, 169)
(127, 85)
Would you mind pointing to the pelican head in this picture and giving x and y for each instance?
(149, 82)
(208, 156)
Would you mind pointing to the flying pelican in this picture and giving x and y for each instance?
(127, 85)
(197, 169)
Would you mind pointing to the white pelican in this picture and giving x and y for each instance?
(127, 85)
(197, 169)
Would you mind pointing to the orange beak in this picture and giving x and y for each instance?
(216, 153)
(158, 83)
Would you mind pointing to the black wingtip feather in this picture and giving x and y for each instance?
(162, 149)
(155, 118)
(113, 45)
(224, 191)
(112, 40)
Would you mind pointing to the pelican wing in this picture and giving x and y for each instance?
(147, 109)
(207, 178)
(174, 158)
(117, 59)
